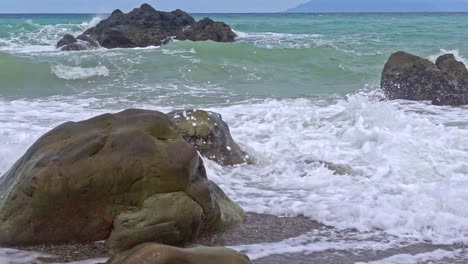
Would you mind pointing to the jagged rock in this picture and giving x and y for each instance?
(210, 135)
(152, 253)
(406, 76)
(127, 177)
(145, 26)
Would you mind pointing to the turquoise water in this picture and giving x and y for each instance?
(309, 54)
(293, 87)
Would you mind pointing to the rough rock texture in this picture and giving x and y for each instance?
(207, 29)
(145, 26)
(69, 42)
(152, 253)
(410, 77)
(210, 135)
(128, 175)
(456, 91)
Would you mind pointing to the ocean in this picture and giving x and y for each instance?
(293, 87)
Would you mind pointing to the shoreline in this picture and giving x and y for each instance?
(260, 229)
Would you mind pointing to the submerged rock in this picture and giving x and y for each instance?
(152, 253)
(127, 177)
(145, 26)
(337, 169)
(406, 76)
(210, 135)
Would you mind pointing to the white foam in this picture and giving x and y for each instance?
(43, 38)
(78, 73)
(88, 261)
(409, 160)
(430, 257)
(455, 52)
(410, 169)
(92, 23)
(272, 40)
(322, 240)
(14, 256)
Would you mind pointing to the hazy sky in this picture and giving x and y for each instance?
(104, 6)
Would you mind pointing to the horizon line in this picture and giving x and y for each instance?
(253, 13)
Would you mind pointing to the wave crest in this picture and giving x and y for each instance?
(78, 73)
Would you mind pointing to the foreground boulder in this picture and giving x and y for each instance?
(146, 26)
(210, 135)
(406, 76)
(127, 177)
(160, 254)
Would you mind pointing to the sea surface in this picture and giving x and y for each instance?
(293, 87)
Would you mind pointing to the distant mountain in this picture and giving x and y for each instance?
(321, 6)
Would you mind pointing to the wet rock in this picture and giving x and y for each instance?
(127, 177)
(66, 40)
(145, 26)
(161, 254)
(210, 135)
(207, 29)
(406, 76)
(456, 90)
(69, 43)
(337, 169)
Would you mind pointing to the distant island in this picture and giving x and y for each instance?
(324, 6)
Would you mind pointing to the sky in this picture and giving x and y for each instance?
(106, 6)
(384, 6)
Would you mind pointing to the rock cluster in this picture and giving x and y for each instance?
(127, 178)
(406, 76)
(145, 26)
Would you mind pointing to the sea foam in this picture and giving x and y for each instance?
(78, 73)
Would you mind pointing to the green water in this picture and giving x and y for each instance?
(276, 55)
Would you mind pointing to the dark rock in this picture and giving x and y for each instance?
(83, 42)
(210, 135)
(406, 76)
(145, 26)
(207, 29)
(66, 40)
(152, 253)
(456, 90)
(127, 177)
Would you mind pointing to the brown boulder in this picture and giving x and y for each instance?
(160, 254)
(128, 175)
